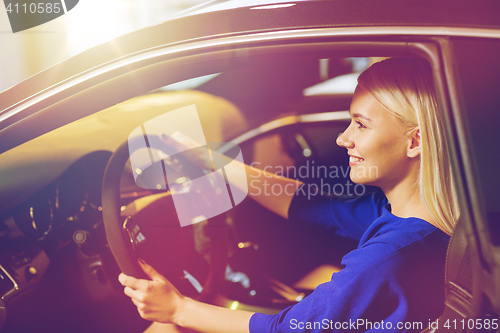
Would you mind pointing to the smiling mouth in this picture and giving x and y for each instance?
(353, 159)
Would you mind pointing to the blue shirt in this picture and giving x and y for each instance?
(393, 281)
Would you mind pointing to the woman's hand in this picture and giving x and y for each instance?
(196, 153)
(156, 299)
(257, 182)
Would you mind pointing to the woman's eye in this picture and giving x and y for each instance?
(360, 124)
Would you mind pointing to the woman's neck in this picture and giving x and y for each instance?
(405, 201)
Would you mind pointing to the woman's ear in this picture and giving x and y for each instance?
(414, 145)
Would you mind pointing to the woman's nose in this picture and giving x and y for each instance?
(344, 140)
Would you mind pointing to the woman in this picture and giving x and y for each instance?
(394, 280)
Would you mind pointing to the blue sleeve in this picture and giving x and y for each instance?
(366, 289)
(395, 277)
(347, 216)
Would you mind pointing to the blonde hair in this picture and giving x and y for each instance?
(404, 86)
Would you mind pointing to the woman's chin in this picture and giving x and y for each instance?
(363, 180)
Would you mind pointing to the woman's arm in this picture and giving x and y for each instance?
(261, 185)
(209, 318)
(158, 300)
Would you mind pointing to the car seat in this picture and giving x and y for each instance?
(458, 283)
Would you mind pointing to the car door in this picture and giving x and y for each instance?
(473, 292)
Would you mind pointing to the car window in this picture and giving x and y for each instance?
(229, 104)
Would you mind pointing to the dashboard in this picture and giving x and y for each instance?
(64, 213)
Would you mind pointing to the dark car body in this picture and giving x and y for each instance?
(267, 54)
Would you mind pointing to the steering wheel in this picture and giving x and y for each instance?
(123, 249)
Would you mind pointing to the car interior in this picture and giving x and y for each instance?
(284, 112)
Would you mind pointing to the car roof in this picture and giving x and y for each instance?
(213, 20)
